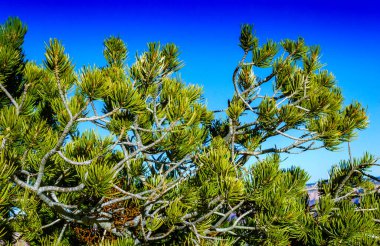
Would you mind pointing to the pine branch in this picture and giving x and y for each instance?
(56, 147)
(61, 94)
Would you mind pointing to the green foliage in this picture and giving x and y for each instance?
(235, 109)
(56, 61)
(263, 56)
(93, 84)
(128, 154)
(6, 190)
(115, 52)
(247, 39)
(12, 57)
(120, 241)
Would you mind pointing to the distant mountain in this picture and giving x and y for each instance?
(312, 189)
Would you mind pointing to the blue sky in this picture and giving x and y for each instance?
(207, 35)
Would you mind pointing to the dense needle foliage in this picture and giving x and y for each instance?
(130, 154)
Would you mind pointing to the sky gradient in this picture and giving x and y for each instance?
(207, 34)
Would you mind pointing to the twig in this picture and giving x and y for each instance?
(10, 97)
(74, 162)
(93, 118)
(50, 224)
(61, 234)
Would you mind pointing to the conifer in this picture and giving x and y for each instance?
(130, 154)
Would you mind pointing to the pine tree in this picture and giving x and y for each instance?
(125, 155)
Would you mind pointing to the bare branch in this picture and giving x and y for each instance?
(345, 196)
(61, 234)
(288, 136)
(74, 162)
(50, 224)
(161, 235)
(10, 97)
(23, 96)
(129, 194)
(286, 149)
(56, 147)
(93, 118)
(235, 224)
(143, 148)
(221, 220)
(60, 189)
(366, 209)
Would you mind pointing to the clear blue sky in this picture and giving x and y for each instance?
(207, 34)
